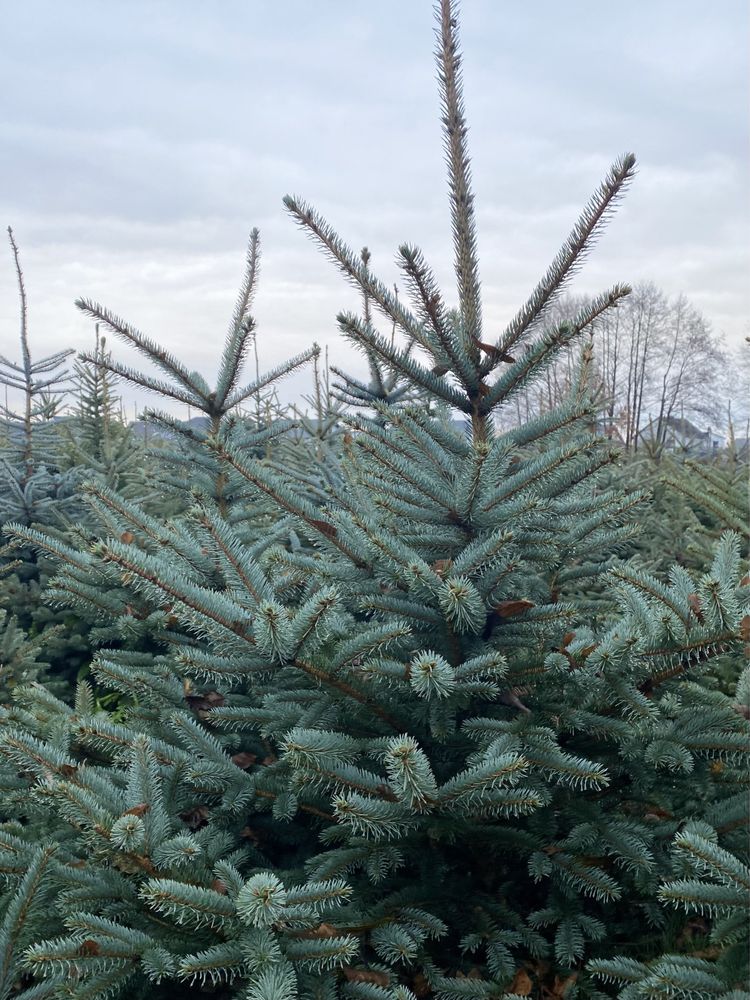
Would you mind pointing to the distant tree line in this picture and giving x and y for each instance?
(658, 365)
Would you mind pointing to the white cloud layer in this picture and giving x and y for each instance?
(142, 141)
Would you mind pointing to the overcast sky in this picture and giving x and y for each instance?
(142, 140)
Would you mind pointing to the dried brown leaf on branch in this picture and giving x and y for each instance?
(327, 529)
(493, 352)
(244, 759)
(512, 607)
(420, 987)
(195, 818)
(522, 984)
(442, 566)
(559, 987)
(365, 976)
(319, 932)
(139, 810)
(695, 606)
(203, 703)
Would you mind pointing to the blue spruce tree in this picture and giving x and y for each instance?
(31, 484)
(387, 747)
(37, 486)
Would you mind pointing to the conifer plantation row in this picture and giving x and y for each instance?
(376, 702)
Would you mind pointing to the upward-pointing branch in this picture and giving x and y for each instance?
(249, 280)
(571, 254)
(153, 351)
(466, 261)
(241, 327)
(28, 452)
(356, 271)
(22, 293)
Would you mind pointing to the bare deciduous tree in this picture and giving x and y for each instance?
(657, 362)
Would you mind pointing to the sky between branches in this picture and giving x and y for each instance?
(143, 140)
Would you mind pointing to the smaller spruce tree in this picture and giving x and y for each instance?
(98, 441)
(31, 485)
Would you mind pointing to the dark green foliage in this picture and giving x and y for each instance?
(19, 656)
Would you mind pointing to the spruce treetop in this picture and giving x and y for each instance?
(459, 364)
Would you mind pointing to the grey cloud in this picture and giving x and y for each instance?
(141, 141)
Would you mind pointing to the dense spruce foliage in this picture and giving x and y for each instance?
(384, 703)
